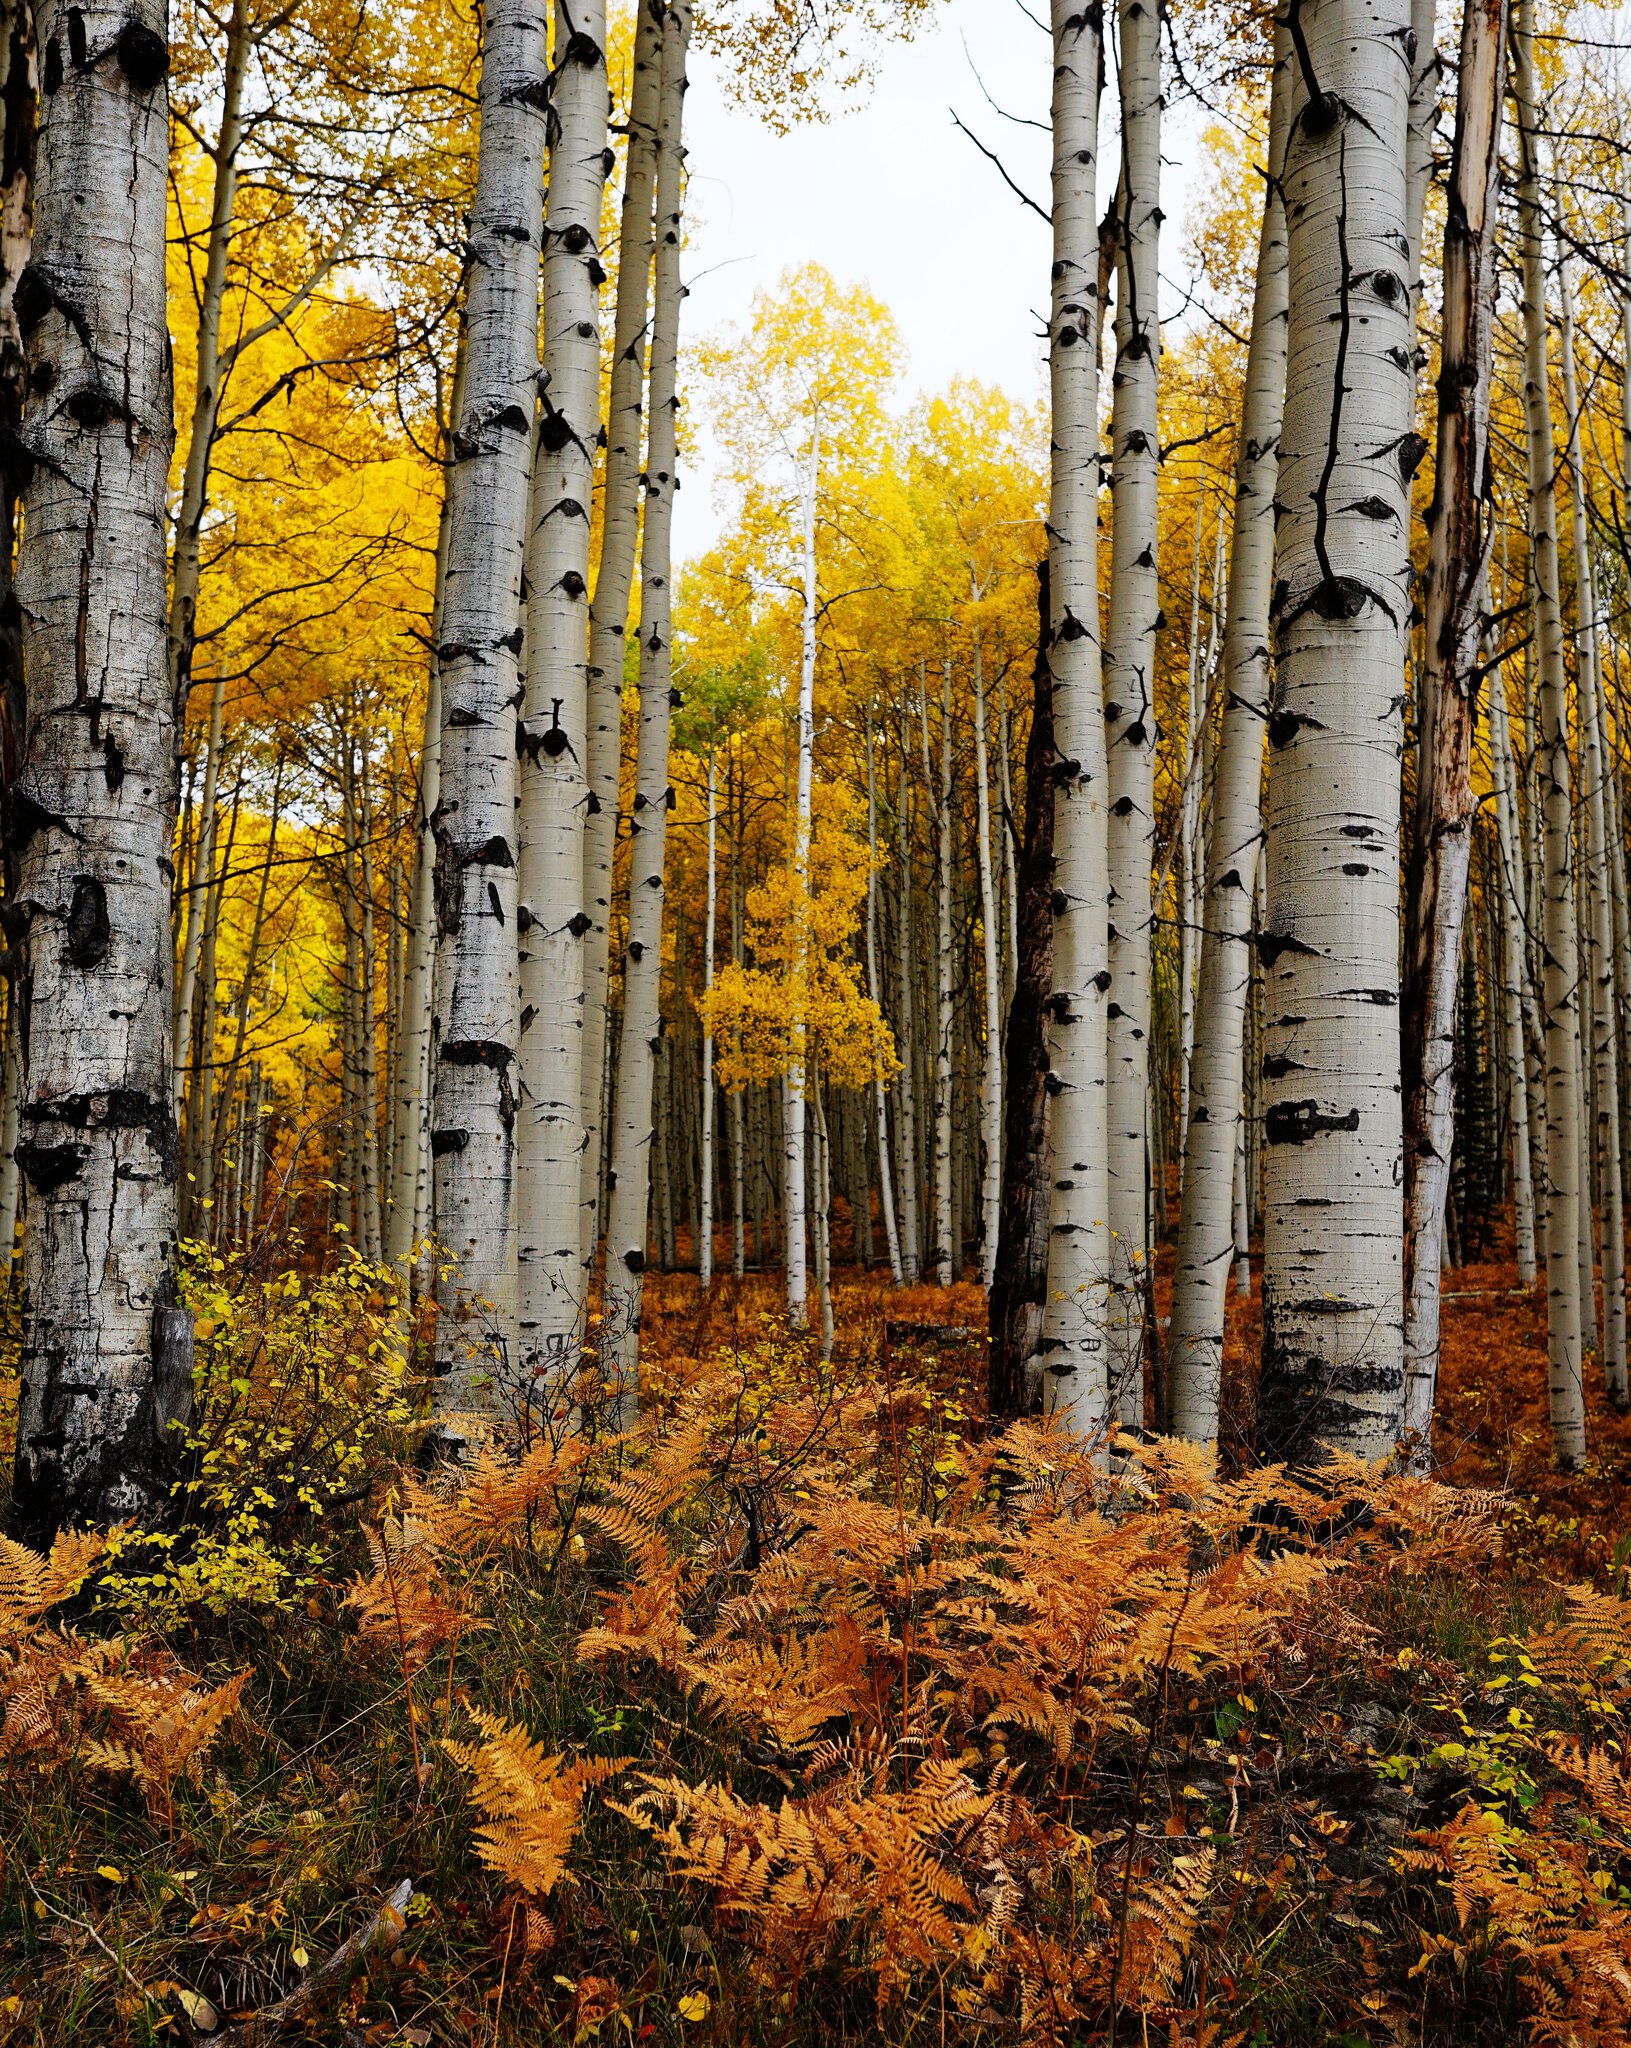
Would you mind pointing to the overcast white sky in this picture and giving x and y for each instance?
(893, 197)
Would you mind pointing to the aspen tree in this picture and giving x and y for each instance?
(1208, 1236)
(633, 1129)
(1600, 1019)
(947, 1257)
(705, 1222)
(991, 1075)
(106, 1353)
(1074, 1325)
(886, 1190)
(1333, 1215)
(1560, 977)
(187, 561)
(796, 1080)
(614, 581)
(1459, 536)
(910, 1166)
(1514, 976)
(552, 920)
(410, 1195)
(474, 1034)
(1129, 690)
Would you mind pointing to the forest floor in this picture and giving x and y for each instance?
(900, 1745)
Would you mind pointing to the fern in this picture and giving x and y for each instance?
(532, 1802)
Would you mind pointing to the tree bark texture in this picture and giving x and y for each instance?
(552, 919)
(614, 584)
(106, 1355)
(1073, 1344)
(632, 1130)
(1020, 1281)
(1207, 1240)
(1560, 979)
(1129, 692)
(1459, 536)
(1333, 1285)
(474, 1034)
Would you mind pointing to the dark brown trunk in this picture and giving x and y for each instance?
(1020, 1285)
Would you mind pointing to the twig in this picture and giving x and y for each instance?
(260, 2026)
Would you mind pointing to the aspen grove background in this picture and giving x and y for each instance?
(855, 1271)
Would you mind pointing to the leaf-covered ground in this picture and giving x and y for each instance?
(907, 1735)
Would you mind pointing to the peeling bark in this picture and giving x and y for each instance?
(1560, 980)
(1459, 535)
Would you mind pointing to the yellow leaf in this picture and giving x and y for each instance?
(111, 1872)
(694, 2005)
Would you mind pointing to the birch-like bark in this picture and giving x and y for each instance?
(474, 1034)
(946, 1253)
(1332, 1282)
(1074, 1324)
(1129, 692)
(410, 1194)
(614, 584)
(1460, 531)
(1208, 1234)
(1561, 972)
(705, 1201)
(1188, 820)
(991, 1076)
(632, 1128)
(106, 1353)
(1601, 1015)
(910, 1170)
(795, 1167)
(886, 1187)
(552, 920)
(187, 560)
(1514, 975)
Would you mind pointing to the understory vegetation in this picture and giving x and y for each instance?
(812, 1709)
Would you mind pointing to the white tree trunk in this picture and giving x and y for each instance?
(1074, 1326)
(1601, 1016)
(186, 566)
(410, 1194)
(474, 1033)
(1514, 974)
(795, 1165)
(991, 1078)
(614, 584)
(632, 1131)
(886, 1189)
(910, 1167)
(1188, 820)
(106, 1355)
(553, 1239)
(1333, 1212)
(946, 1254)
(1129, 691)
(705, 1202)
(1209, 1235)
(1560, 980)
(1459, 536)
